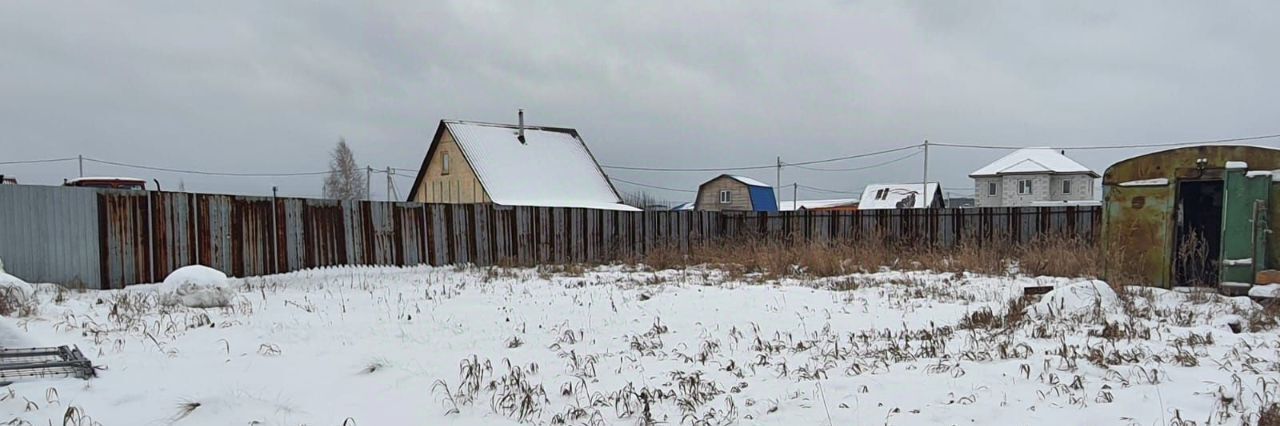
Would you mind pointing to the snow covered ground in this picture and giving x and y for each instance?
(613, 345)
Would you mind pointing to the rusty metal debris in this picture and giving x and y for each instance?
(17, 364)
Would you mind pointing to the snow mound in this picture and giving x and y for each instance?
(1268, 291)
(14, 290)
(1075, 300)
(196, 286)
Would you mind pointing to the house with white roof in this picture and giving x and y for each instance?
(901, 196)
(735, 193)
(512, 165)
(1033, 177)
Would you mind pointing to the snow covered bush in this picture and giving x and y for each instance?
(1082, 299)
(196, 286)
(15, 294)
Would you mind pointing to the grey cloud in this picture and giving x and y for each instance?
(254, 86)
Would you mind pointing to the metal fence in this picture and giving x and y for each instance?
(112, 238)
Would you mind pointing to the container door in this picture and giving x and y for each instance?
(1244, 214)
(1136, 235)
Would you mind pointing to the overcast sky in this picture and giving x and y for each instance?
(271, 86)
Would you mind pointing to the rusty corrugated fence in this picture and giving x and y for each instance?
(116, 238)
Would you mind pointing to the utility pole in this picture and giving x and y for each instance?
(777, 183)
(795, 203)
(368, 188)
(388, 183)
(81, 157)
(925, 196)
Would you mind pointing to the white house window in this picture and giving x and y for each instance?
(991, 188)
(1024, 186)
(444, 164)
(724, 197)
(1066, 187)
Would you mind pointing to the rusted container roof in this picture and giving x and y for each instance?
(1165, 164)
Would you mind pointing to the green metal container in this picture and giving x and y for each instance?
(1183, 217)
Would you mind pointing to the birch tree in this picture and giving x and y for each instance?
(345, 180)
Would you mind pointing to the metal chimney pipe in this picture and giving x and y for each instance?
(521, 137)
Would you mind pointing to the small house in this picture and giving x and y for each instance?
(1032, 177)
(512, 165)
(736, 193)
(1194, 216)
(835, 204)
(108, 182)
(901, 196)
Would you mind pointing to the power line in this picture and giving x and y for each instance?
(814, 188)
(650, 186)
(850, 157)
(206, 173)
(818, 169)
(761, 167)
(50, 160)
(706, 169)
(1147, 145)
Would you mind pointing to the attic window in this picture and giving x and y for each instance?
(444, 164)
(725, 197)
(882, 193)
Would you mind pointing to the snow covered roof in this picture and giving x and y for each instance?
(1033, 160)
(688, 205)
(105, 178)
(551, 168)
(887, 196)
(749, 181)
(816, 204)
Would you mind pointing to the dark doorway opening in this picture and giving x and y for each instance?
(1199, 233)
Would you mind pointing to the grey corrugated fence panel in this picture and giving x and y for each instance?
(293, 247)
(50, 234)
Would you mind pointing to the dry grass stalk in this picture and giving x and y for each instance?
(1051, 255)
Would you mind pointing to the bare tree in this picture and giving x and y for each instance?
(345, 180)
(645, 201)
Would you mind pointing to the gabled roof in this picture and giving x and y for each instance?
(1033, 160)
(551, 168)
(816, 204)
(887, 196)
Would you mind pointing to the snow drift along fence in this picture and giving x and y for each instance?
(111, 238)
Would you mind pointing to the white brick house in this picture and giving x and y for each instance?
(1033, 177)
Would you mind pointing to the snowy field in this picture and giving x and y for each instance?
(614, 345)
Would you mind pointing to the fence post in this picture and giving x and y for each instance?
(275, 233)
(151, 242)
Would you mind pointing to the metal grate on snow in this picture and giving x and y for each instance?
(18, 364)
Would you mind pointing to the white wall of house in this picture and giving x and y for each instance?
(985, 195)
(1081, 188)
(1013, 197)
(1044, 187)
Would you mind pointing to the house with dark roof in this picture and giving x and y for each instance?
(1033, 177)
(512, 165)
(735, 193)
